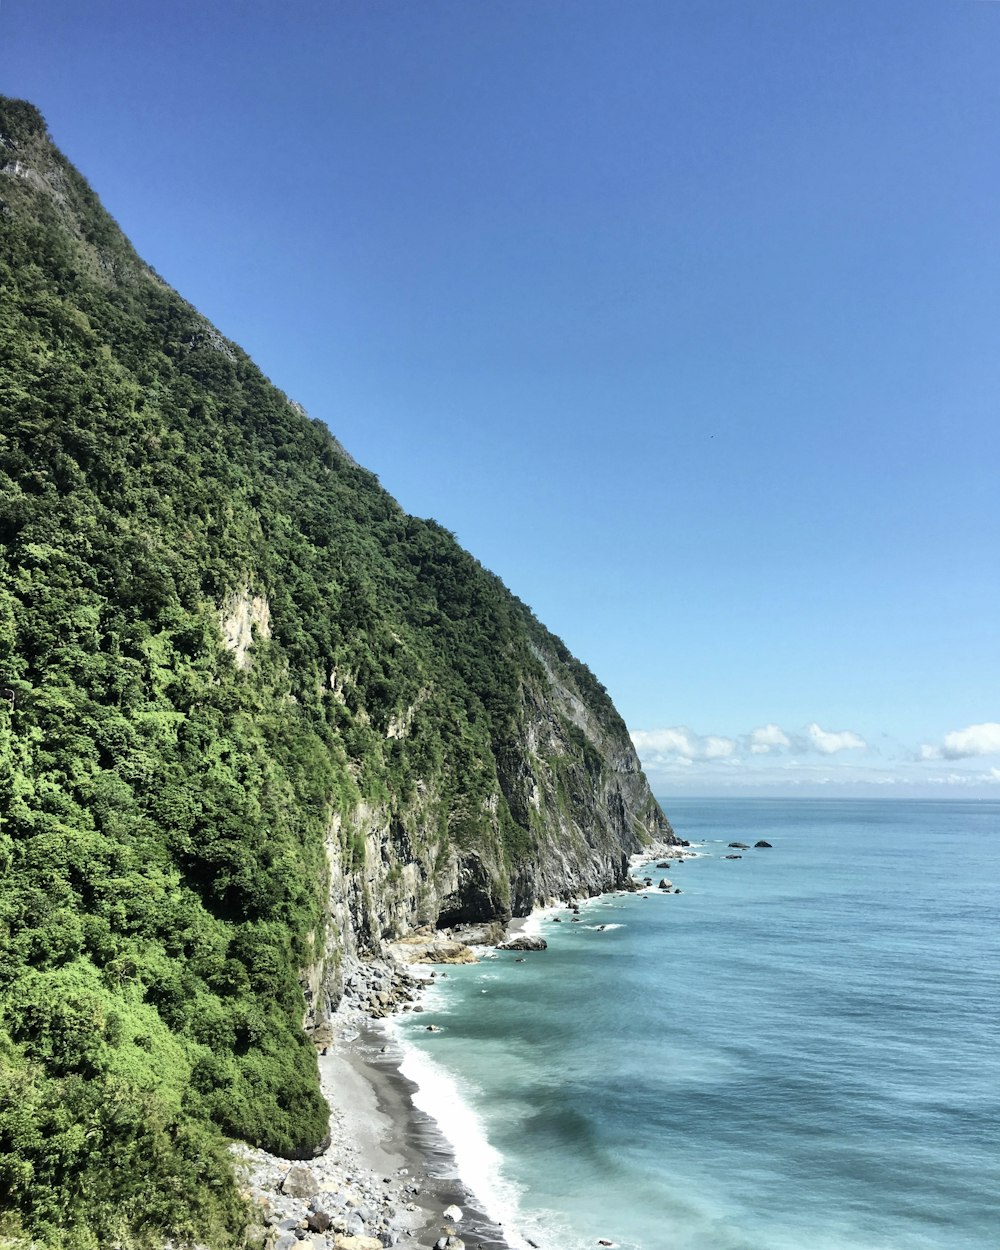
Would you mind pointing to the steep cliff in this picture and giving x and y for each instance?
(253, 717)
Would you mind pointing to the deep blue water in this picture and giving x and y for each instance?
(799, 1052)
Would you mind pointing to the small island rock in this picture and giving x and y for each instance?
(523, 942)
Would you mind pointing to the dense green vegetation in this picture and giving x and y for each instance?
(162, 806)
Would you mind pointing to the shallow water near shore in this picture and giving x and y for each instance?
(801, 1049)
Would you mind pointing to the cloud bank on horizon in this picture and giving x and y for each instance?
(770, 757)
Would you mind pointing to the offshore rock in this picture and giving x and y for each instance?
(523, 942)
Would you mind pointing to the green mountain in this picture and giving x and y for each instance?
(252, 716)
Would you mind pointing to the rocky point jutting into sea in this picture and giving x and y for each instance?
(256, 724)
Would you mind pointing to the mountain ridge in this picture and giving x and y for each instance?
(259, 719)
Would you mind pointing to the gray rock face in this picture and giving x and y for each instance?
(586, 822)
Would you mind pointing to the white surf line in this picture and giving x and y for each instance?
(480, 1165)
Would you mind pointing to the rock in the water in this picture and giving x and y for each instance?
(523, 942)
(740, 846)
(665, 884)
(762, 843)
(734, 857)
(300, 1183)
(664, 863)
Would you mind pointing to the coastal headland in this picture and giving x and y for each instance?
(261, 731)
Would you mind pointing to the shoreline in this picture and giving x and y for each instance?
(390, 1176)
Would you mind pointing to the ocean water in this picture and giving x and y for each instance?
(801, 1051)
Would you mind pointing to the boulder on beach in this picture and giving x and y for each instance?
(357, 1243)
(300, 1183)
(523, 942)
(453, 1213)
(762, 843)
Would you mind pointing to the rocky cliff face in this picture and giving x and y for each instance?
(576, 783)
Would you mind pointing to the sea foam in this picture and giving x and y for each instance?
(439, 1095)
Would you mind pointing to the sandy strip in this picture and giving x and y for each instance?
(372, 1102)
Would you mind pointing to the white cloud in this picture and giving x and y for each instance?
(678, 744)
(681, 743)
(962, 744)
(813, 760)
(829, 743)
(768, 738)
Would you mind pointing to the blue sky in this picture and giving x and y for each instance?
(682, 316)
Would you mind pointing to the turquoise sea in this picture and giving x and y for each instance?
(801, 1051)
